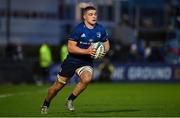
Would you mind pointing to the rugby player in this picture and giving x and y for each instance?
(79, 60)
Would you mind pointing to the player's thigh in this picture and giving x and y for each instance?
(85, 73)
(60, 81)
(86, 76)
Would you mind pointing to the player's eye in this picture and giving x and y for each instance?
(90, 14)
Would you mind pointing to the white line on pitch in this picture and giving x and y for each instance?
(20, 93)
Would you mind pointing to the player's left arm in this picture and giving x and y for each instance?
(105, 40)
(106, 46)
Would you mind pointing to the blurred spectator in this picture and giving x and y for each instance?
(14, 52)
(148, 52)
(45, 61)
(63, 51)
(134, 55)
(141, 50)
(106, 69)
(125, 36)
(173, 47)
(19, 54)
(125, 33)
(147, 23)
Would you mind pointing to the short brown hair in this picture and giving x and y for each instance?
(88, 8)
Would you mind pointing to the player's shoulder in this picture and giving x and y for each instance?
(79, 26)
(99, 26)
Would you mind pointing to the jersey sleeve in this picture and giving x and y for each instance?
(74, 36)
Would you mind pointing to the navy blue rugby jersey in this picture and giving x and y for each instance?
(85, 36)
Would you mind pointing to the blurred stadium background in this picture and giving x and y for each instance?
(144, 37)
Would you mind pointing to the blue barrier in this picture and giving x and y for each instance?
(133, 72)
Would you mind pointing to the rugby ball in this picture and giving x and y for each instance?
(99, 50)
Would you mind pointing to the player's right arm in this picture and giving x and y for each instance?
(73, 48)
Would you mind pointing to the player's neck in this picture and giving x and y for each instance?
(88, 25)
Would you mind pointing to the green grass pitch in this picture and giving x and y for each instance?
(99, 99)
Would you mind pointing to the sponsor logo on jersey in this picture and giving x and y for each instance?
(91, 40)
(98, 34)
(83, 35)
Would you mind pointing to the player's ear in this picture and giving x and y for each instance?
(84, 17)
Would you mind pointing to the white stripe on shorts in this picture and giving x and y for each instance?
(84, 68)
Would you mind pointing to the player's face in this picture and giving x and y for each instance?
(90, 17)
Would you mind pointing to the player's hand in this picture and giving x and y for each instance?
(91, 51)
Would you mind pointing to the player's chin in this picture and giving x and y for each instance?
(93, 22)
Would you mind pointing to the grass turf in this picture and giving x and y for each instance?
(103, 100)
